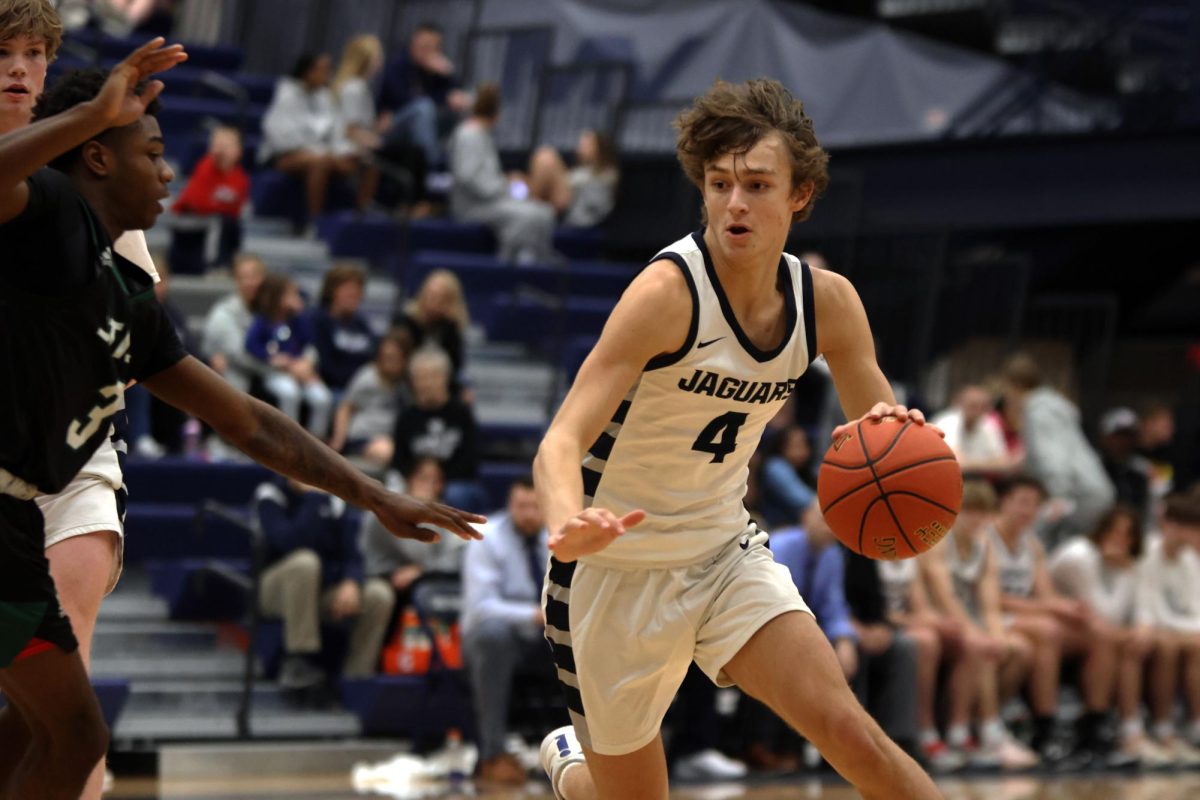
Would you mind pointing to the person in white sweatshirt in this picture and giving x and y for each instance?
(1100, 570)
(1168, 599)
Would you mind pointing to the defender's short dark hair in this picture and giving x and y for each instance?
(732, 118)
(75, 87)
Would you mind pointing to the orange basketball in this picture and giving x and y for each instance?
(889, 489)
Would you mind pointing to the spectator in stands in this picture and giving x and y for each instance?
(219, 187)
(482, 192)
(1168, 587)
(964, 583)
(148, 17)
(224, 341)
(438, 315)
(402, 164)
(1056, 451)
(585, 195)
(786, 480)
(343, 337)
(879, 661)
(279, 337)
(402, 562)
(975, 434)
(941, 640)
(503, 621)
(304, 135)
(1099, 569)
(314, 572)
(439, 426)
(817, 566)
(1126, 468)
(1053, 624)
(366, 418)
(1156, 443)
(421, 93)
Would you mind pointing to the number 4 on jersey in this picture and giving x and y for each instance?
(719, 437)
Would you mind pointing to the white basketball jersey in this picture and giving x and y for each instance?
(680, 443)
(896, 579)
(1015, 567)
(966, 573)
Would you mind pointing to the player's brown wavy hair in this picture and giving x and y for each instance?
(36, 19)
(732, 118)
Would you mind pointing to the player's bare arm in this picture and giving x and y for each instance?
(26, 150)
(844, 338)
(272, 439)
(651, 318)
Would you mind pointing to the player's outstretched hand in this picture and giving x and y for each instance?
(881, 410)
(590, 531)
(117, 101)
(402, 515)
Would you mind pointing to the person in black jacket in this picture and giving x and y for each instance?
(314, 572)
(343, 337)
(438, 425)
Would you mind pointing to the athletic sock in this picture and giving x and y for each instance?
(1164, 730)
(1132, 729)
(992, 732)
(958, 736)
(928, 737)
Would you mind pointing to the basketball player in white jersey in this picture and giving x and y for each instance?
(963, 582)
(1036, 610)
(655, 560)
(84, 522)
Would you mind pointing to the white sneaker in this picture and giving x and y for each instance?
(709, 765)
(1185, 754)
(1148, 752)
(560, 749)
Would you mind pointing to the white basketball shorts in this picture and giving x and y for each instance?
(623, 639)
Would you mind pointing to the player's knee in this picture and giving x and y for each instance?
(1139, 645)
(1048, 634)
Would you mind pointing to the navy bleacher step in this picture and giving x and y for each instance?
(169, 531)
(540, 324)
(485, 275)
(124, 638)
(351, 234)
(422, 707)
(273, 724)
(173, 479)
(208, 589)
(200, 697)
(439, 233)
(579, 242)
(223, 664)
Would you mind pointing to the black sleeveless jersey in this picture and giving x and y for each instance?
(65, 356)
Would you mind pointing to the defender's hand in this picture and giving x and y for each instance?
(590, 531)
(402, 515)
(117, 102)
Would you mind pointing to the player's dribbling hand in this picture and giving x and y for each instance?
(403, 515)
(117, 102)
(881, 410)
(590, 531)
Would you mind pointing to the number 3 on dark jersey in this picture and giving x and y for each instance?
(719, 437)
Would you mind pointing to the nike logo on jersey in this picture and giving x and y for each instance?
(726, 387)
(710, 341)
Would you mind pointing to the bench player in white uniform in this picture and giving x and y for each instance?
(655, 561)
(963, 582)
(1052, 623)
(83, 522)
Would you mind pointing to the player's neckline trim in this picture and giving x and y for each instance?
(789, 301)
